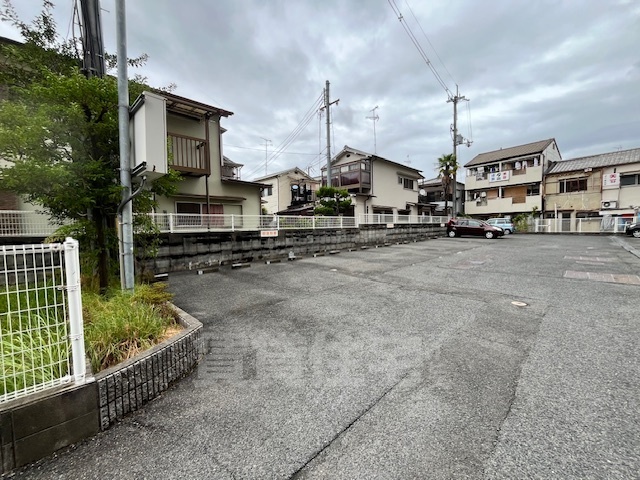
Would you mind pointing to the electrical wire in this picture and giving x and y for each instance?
(421, 51)
(429, 41)
(309, 115)
(262, 150)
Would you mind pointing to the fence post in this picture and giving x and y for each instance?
(74, 297)
(313, 222)
(171, 223)
(233, 223)
(277, 222)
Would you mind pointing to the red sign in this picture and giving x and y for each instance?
(268, 233)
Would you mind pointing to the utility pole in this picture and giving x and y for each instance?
(127, 276)
(327, 107)
(457, 140)
(267, 142)
(375, 118)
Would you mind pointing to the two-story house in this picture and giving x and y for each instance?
(291, 191)
(509, 181)
(376, 185)
(600, 186)
(186, 135)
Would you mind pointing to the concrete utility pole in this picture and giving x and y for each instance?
(375, 118)
(127, 276)
(93, 59)
(267, 142)
(327, 107)
(457, 140)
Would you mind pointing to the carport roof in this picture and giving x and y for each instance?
(596, 161)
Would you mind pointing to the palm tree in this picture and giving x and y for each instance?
(447, 170)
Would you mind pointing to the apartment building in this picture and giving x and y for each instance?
(509, 181)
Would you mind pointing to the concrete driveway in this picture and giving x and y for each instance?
(409, 361)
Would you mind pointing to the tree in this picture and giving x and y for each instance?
(332, 201)
(59, 129)
(447, 170)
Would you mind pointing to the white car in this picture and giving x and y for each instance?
(504, 223)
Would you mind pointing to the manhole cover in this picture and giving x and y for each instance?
(519, 304)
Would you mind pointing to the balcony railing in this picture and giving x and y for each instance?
(189, 154)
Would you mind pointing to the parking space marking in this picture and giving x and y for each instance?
(603, 277)
(591, 259)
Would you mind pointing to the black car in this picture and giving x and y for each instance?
(470, 226)
(633, 229)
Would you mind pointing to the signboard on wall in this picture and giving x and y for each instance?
(499, 176)
(611, 180)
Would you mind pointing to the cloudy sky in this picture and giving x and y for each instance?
(567, 69)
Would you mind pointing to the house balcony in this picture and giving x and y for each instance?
(505, 205)
(354, 177)
(484, 180)
(189, 155)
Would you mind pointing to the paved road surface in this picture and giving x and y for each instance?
(408, 361)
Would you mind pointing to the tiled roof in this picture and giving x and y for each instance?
(511, 152)
(284, 172)
(373, 156)
(596, 161)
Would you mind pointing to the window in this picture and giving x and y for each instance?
(573, 185)
(627, 180)
(533, 190)
(407, 183)
(267, 192)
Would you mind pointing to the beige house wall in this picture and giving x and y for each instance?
(385, 189)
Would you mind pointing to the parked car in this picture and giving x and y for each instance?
(633, 229)
(470, 226)
(504, 223)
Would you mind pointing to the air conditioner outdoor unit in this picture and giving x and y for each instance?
(483, 194)
(609, 204)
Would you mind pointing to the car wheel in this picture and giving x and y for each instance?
(507, 231)
(452, 233)
(488, 234)
(636, 233)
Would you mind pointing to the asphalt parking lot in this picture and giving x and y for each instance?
(408, 361)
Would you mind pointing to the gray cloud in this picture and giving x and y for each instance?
(532, 70)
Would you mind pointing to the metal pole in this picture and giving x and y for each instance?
(455, 149)
(328, 109)
(126, 232)
(74, 297)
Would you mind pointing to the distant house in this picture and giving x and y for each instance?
(376, 185)
(603, 185)
(509, 181)
(191, 133)
(431, 197)
(291, 191)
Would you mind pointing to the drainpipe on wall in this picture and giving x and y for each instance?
(208, 155)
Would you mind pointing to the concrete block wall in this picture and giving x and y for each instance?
(35, 426)
(179, 252)
(129, 385)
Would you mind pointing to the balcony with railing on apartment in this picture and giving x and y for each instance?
(354, 177)
(477, 178)
(189, 155)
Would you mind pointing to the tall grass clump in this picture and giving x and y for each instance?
(122, 324)
(34, 346)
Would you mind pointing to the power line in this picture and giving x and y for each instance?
(421, 51)
(262, 150)
(309, 115)
(429, 41)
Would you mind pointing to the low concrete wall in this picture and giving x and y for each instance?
(187, 251)
(126, 387)
(34, 427)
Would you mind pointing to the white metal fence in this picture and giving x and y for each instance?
(612, 225)
(389, 218)
(18, 223)
(41, 331)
